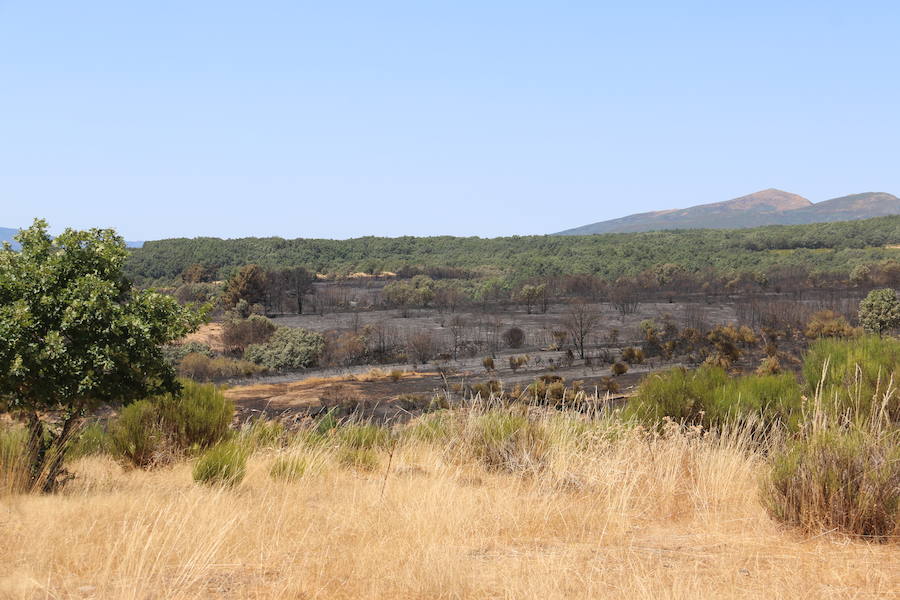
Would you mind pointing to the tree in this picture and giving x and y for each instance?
(249, 284)
(298, 282)
(580, 321)
(77, 335)
(880, 311)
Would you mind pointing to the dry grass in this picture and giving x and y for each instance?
(609, 514)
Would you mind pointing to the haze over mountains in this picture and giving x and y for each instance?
(767, 207)
(7, 234)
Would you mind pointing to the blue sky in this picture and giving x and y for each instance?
(341, 119)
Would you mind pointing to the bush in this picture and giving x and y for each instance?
(676, 393)
(709, 398)
(288, 348)
(506, 441)
(199, 416)
(92, 439)
(633, 356)
(156, 430)
(237, 334)
(289, 468)
(859, 369)
(514, 337)
(136, 434)
(846, 479)
(364, 459)
(363, 436)
(202, 368)
(619, 368)
(174, 353)
(224, 464)
(880, 311)
(488, 363)
(827, 323)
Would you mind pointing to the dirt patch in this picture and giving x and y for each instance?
(209, 334)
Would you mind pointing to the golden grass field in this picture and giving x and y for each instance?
(678, 516)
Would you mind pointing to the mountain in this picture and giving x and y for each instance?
(768, 207)
(7, 235)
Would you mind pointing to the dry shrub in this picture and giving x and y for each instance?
(505, 440)
(619, 368)
(200, 367)
(514, 337)
(632, 355)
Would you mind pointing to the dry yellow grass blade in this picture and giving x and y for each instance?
(677, 517)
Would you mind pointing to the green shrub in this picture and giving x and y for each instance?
(261, 433)
(507, 441)
(763, 399)
(676, 393)
(199, 416)
(433, 427)
(289, 468)
(174, 353)
(363, 436)
(92, 439)
(364, 459)
(859, 369)
(136, 434)
(838, 478)
(288, 348)
(223, 464)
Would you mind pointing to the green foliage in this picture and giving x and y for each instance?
(838, 478)
(363, 436)
(857, 375)
(136, 435)
(289, 468)
(198, 416)
(364, 459)
(156, 430)
(75, 334)
(509, 441)
(248, 284)
(92, 439)
(709, 398)
(880, 311)
(174, 353)
(224, 464)
(288, 348)
(826, 247)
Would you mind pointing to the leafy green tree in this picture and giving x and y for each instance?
(880, 311)
(76, 335)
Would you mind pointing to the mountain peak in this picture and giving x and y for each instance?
(765, 207)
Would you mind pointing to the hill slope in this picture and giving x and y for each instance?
(767, 207)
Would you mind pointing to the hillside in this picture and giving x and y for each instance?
(767, 207)
(837, 247)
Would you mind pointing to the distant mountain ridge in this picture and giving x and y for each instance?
(766, 207)
(7, 235)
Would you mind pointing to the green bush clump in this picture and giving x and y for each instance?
(363, 436)
(158, 429)
(288, 348)
(174, 353)
(199, 416)
(364, 459)
(709, 398)
(509, 441)
(136, 434)
(844, 478)
(857, 375)
(678, 393)
(289, 468)
(92, 439)
(224, 464)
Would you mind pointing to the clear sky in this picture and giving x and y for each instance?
(341, 119)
